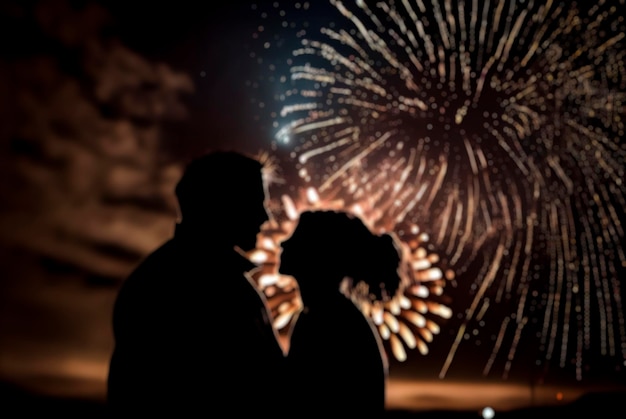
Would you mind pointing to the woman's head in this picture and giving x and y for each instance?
(328, 246)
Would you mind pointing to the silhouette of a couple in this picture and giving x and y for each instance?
(193, 336)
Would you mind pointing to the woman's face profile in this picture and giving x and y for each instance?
(301, 251)
(287, 256)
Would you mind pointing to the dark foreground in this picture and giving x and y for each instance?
(19, 403)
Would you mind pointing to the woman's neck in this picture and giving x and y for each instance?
(321, 298)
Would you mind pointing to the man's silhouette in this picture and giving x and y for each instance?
(191, 332)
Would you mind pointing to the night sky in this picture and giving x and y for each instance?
(103, 102)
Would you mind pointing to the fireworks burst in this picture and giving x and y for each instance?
(407, 319)
(496, 127)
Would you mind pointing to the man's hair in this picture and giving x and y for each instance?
(215, 178)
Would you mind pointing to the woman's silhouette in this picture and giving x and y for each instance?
(336, 358)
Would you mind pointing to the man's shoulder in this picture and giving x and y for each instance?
(155, 265)
(159, 258)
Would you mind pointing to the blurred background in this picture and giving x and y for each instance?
(498, 127)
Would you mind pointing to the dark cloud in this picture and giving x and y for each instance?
(87, 184)
(85, 150)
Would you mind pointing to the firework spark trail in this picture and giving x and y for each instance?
(497, 126)
(486, 282)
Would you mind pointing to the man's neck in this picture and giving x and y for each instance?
(205, 235)
(209, 241)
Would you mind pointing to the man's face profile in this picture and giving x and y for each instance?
(251, 213)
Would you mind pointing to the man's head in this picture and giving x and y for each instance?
(223, 194)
